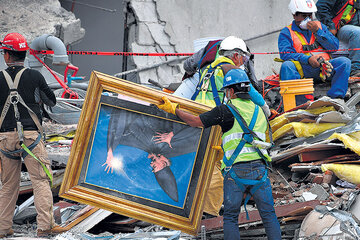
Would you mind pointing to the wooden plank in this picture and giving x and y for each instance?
(281, 211)
(317, 155)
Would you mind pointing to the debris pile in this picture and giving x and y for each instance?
(316, 166)
(315, 178)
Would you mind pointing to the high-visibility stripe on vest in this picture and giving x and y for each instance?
(232, 138)
(300, 42)
(345, 14)
(205, 95)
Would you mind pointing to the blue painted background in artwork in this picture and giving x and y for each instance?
(133, 174)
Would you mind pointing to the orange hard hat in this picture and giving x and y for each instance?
(14, 42)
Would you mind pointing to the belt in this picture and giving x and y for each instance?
(8, 130)
(252, 161)
(14, 129)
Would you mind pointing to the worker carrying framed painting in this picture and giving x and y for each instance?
(131, 158)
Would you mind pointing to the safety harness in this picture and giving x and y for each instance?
(346, 13)
(12, 100)
(204, 84)
(248, 137)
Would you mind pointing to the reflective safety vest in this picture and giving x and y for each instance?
(231, 139)
(211, 81)
(345, 14)
(301, 44)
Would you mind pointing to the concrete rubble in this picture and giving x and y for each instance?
(302, 190)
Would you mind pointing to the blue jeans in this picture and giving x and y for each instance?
(339, 78)
(351, 34)
(233, 197)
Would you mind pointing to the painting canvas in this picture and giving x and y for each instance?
(134, 159)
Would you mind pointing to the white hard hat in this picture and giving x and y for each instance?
(231, 43)
(305, 6)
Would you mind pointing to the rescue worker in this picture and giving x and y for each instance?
(343, 20)
(305, 34)
(244, 165)
(231, 52)
(19, 124)
(196, 64)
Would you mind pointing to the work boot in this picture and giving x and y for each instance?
(50, 232)
(11, 232)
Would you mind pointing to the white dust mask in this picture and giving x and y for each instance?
(303, 24)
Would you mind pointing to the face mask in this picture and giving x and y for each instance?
(303, 23)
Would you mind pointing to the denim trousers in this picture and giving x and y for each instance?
(233, 197)
(351, 34)
(339, 78)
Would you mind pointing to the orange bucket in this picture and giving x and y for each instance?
(296, 92)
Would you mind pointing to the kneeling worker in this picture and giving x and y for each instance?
(245, 161)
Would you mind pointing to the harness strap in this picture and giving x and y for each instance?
(22, 152)
(241, 183)
(214, 90)
(257, 184)
(250, 130)
(199, 63)
(248, 136)
(13, 87)
(209, 75)
(46, 170)
(229, 162)
(14, 98)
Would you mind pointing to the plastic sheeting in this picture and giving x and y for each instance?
(214, 196)
(347, 172)
(304, 129)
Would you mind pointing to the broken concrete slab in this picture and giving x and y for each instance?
(144, 36)
(91, 221)
(145, 10)
(34, 18)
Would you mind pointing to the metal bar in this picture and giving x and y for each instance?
(149, 67)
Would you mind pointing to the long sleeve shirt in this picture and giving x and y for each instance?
(29, 82)
(327, 10)
(286, 46)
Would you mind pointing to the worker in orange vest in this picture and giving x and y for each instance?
(303, 45)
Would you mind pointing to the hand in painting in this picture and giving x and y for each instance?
(109, 161)
(163, 138)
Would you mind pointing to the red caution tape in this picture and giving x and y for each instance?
(168, 54)
(113, 53)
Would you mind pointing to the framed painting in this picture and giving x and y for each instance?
(131, 158)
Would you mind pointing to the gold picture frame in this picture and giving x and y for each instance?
(118, 184)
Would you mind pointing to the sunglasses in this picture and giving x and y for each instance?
(304, 15)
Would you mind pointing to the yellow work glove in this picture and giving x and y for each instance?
(168, 106)
(219, 150)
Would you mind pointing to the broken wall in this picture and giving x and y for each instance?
(172, 26)
(33, 18)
